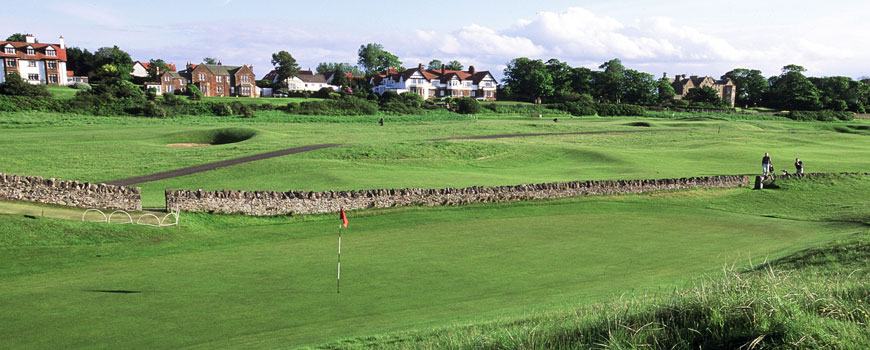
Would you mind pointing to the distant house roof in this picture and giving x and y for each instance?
(38, 48)
(147, 65)
(314, 78)
(443, 75)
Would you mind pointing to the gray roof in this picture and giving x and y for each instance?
(316, 78)
(218, 69)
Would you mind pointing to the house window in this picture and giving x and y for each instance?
(218, 78)
(181, 81)
(32, 76)
(31, 63)
(30, 51)
(52, 78)
(51, 64)
(246, 79)
(489, 94)
(220, 89)
(202, 77)
(246, 91)
(467, 84)
(50, 52)
(167, 79)
(10, 50)
(169, 89)
(10, 62)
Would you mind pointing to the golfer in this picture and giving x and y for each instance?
(765, 163)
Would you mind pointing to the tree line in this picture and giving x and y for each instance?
(556, 81)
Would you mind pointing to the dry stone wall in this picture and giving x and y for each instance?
(71, 193)
(305, 202)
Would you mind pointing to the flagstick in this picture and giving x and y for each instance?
(338, 279)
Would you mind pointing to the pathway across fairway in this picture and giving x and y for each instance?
(211, 166)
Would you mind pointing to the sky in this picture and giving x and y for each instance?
(678, 37)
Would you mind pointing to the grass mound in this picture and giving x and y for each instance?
(214, 136)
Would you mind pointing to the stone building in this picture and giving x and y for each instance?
(168, 82)
(221, 80)
(682, 84)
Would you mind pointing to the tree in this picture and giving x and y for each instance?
(285, 65)
(454, 65)
(638, 87)
(81, 62)
(704, 95)
(838, 93)
(112, 62)
(791, 90)
(209, 60)
(435, 64)
(156, 68)
(666, 91)
(528, 78)
(609, 82)
(329, 67)
(340, 79)
(375, 60)
(17, 37)
(751, 86)
(582, 80)
(561, 74)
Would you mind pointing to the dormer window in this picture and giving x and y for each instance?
(50, 52)
(10, 50)
(30, 50)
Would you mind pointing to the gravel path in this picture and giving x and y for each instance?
(211, 166)
(224, 163)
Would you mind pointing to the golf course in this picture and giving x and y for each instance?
(473, 276)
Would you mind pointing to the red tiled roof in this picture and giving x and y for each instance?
(21, 51)
(147, 65)
(70, 73)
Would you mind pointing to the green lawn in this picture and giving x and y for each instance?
(231, 281)
(61, 92)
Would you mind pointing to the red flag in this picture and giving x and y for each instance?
(343, 217)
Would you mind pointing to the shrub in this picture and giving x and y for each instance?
(194, 92)
(612, 110)
(246, 111)
(81, 86)
(172, 99)
(16, 86)
(349, 105)
(153, 110)
(576, 108)
(221, 109)
(151, 94)
(467, 105)
(824, 115)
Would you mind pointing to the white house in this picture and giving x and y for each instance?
(36, 63)
(305, 80)
(434, 83)
(140, 69)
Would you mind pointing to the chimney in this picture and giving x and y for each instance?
(471, 70)
(665, 75)
(30, 39)
(442, 69)
(420, 66)
(219, 63)
(62, 45)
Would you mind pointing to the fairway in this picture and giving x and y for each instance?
(398, 155)
(228, 281)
